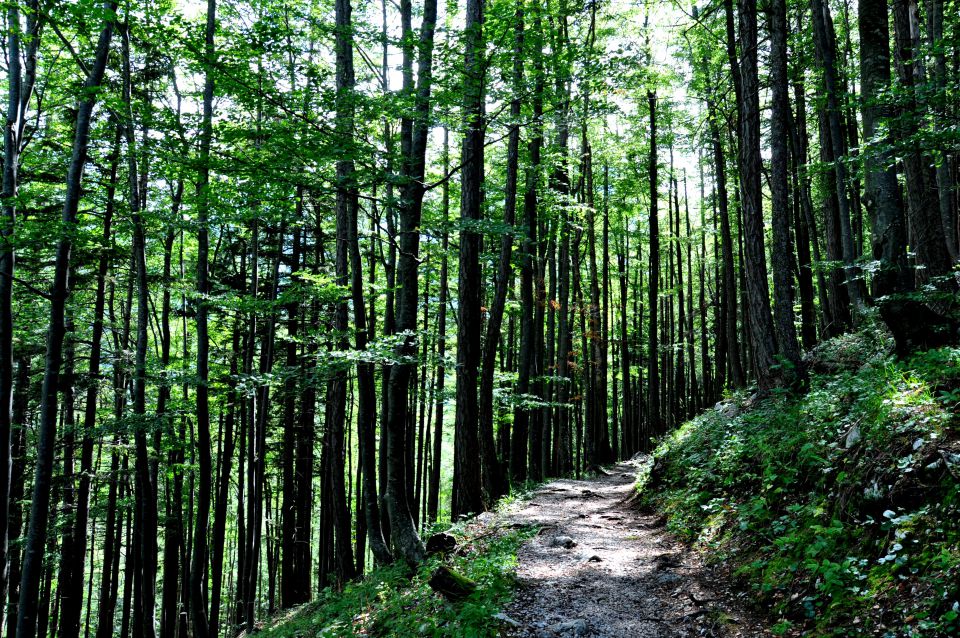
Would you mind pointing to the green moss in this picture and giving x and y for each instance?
(392, 601)
(837, 507)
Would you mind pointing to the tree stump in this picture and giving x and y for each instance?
(442, 543)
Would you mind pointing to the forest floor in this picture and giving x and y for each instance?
(601, 567)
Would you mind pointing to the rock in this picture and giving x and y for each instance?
(667, 578)
(852, 437)
(485, 517)
(593, 558)
(727, 409)
(507, 620)
(576, 627)
(452, 585)
(562, 541)
(441, 543)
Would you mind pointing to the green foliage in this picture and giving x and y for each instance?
(392, 602)
(837, 507)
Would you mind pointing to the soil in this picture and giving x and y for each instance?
(600, 567)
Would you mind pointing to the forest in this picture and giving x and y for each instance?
(288, 286)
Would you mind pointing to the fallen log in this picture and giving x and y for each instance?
(450, 584)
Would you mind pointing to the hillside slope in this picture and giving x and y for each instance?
(838, 506)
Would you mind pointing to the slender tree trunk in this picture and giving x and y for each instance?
(433, 497)
(35, 541)
(653, 286)
(495, 482)
(826, 51)
(198, 599)
(16, 111)
(414, 129)
(146, 505)
(780, 189)
(347, 203)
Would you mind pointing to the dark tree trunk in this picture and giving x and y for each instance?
(883, 199)
(145, 480)
(198, 599)
(758, 294)
(35, 541)
(403, 532)
(18, 98)
(782, 258)
(653, 286)
(467, 473)
(826, 52)
(495, 483)
(925, 223)
(347, 202)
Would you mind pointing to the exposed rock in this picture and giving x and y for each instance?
(727, 409)
(563, 541)
(576, 627)
(852, 437)
(507, 620)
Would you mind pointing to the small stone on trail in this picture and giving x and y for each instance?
(507, 620)
(593, 558)
(562, 541)
(576, 627)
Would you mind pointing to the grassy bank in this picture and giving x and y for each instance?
(838, 506)
(394, 601)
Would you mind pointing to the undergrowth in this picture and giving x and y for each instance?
(837, 507)
(395, 601)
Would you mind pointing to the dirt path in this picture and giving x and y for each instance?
(600, 568)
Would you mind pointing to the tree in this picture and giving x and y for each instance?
(467, 473)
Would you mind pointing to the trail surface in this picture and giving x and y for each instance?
(601, 568)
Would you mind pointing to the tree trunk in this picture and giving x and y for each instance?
(18, 94)
(758, 293)
(403, 533)
(883, 199)
(925, 222)
(198, 599)
(467, 495)
(653, 286)
(826, 52)
(35, 541)
(495, 483)
(433, 496)
(780, 190)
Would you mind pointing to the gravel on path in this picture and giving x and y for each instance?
(601, 568)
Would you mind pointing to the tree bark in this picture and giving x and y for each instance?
(467, 474)
(36, 537)
(653, 286)
(883, 199)
(414, 129)
(198, 599)
(758, 293)
(925, 222)
(780, 190)
(826, 51)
